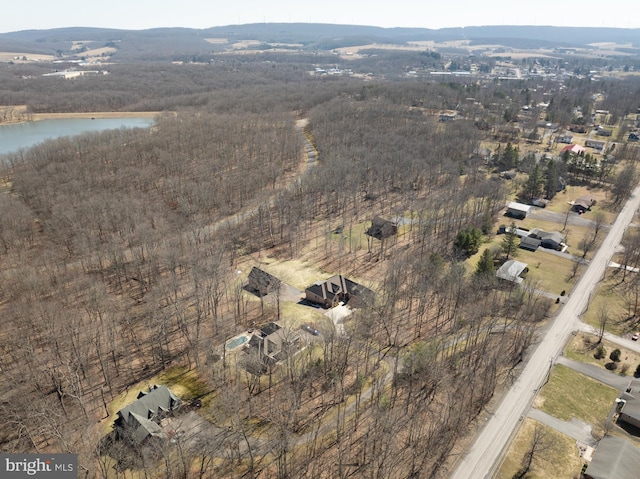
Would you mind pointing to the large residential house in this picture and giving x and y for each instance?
(141, 419)
(337, 289)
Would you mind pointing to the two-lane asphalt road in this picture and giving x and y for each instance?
(483, 457)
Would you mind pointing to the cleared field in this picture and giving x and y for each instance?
(299, 274)
(560, 461)
(571, 394)
(18, 57)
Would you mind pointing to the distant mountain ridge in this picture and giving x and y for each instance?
(314, 36)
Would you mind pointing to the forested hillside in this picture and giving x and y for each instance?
(124, 254)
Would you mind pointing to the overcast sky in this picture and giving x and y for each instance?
(140, 14)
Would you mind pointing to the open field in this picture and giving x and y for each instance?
(560, 461)
(582, 347)
(570, 394)
(18, 57)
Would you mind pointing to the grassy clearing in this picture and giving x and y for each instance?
(560, 461)
(582, 348)
(299, 274)
(294, 315)
(570, 394)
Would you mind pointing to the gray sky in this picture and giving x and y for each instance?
(140, 14)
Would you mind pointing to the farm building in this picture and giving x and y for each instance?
(518, 210)
(512, 270)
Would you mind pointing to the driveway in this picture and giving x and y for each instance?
(606, 377)
(580, 431)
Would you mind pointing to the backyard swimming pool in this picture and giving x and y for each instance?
(236, 342)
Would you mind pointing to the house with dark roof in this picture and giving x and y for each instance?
(338, 289)
(582, 204)
(551, 240)
(262, 282)
(141, 419)
(529, 243)
(630, 411)
(381, 229)
(615, 458)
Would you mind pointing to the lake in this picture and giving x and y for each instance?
(24, 135)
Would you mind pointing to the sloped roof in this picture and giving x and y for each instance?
(577, 149)
(159, 399)
(519, 207)
(511, 271)
(615, 458)
(263, 281)
(528, 242)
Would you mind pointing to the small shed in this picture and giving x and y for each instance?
(518, 210)
(512, 270)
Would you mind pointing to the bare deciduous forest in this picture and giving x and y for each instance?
(119, 253)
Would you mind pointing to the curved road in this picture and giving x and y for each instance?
(483, 458)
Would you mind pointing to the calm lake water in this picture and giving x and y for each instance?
(24, 135)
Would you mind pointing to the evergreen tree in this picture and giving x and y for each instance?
(485, 265)
(510, 242)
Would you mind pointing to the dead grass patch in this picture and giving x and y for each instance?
(561, 461)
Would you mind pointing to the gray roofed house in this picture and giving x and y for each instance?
(630, 412)
(262, 282)
(512, 271)
(138, 420)
(272, 343)
(615, 458)
(530, 243)
(337, 288)
(549, 239)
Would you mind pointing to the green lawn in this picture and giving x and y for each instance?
(560, 461)
(609, 297)
(571, 394)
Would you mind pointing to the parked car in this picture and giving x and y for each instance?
(636, 336)
(310, 330)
